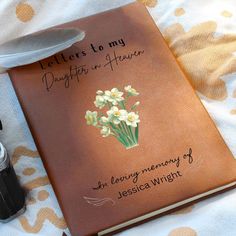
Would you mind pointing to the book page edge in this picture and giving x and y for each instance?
(162, 210)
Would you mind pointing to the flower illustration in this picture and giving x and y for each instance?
(104, 120)
(117, 120)
(91, 118)
(99, 92)
(115, 115)
(114, 96)
(132, 119)
(105, 131)
(135, 105)
(100, 101)
(131, 91)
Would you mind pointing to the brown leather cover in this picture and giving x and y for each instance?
(178, 142)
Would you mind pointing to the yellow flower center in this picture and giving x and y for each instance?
(116, 113)
(114, 94)
(131, 118)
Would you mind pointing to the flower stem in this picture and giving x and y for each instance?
(122, 105)
(120, 134)
(122, 126)
(136, 132)
(131, 133)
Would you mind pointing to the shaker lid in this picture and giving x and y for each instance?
(4, 160)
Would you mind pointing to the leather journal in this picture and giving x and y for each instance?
(120, 130)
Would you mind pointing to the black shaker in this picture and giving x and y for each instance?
(12, 196)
